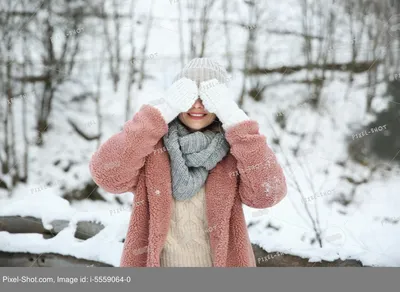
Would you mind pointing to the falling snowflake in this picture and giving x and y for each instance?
(157, 192)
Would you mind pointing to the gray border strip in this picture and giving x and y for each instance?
(203, 279)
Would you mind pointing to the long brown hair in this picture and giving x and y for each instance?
(215, 126)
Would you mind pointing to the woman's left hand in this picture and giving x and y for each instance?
(217, 99)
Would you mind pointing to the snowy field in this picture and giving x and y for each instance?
(366, 229)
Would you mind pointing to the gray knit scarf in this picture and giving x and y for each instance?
(192, 155)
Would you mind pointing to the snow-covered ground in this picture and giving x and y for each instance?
(367, 229)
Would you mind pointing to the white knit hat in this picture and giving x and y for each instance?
(203, 69)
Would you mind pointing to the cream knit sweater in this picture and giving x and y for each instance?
(187, 243)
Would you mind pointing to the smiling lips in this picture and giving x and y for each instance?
(196, 116)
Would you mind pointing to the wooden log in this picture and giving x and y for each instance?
(19, 259)
(18, 224)
(87, 229)
(279, 259)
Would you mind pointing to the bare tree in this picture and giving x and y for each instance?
(205, 24)
(144, 47)
(294, 182)
(375, 36)
(57, 66)
(256, 17)
(24, 176)
(22, 30)
(8, 23)
(192, 11)
(326, 29)
(392, 57)
(132, 67)
(228, 43)
(181, 42)
(113, 41)
(356, 12)
(99, 73)
(199, 15)
(307, 43)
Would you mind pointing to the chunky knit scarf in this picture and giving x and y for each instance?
(192, 155)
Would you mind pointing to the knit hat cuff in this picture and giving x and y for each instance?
(203, 69)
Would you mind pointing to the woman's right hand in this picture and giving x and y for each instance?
(179, 98)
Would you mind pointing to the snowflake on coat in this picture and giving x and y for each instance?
(270, 186)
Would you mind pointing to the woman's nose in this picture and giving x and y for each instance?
(198, 104)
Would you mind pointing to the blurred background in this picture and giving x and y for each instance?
(321, 77)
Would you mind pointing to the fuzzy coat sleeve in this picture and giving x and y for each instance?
(115, 165)
(262, 182)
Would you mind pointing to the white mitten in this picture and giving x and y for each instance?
(180, 97)
(216, 99)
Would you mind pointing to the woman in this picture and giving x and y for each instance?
(191, 159)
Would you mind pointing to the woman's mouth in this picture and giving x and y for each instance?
(196, 116)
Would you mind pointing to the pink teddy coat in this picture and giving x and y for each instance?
(135, 160)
